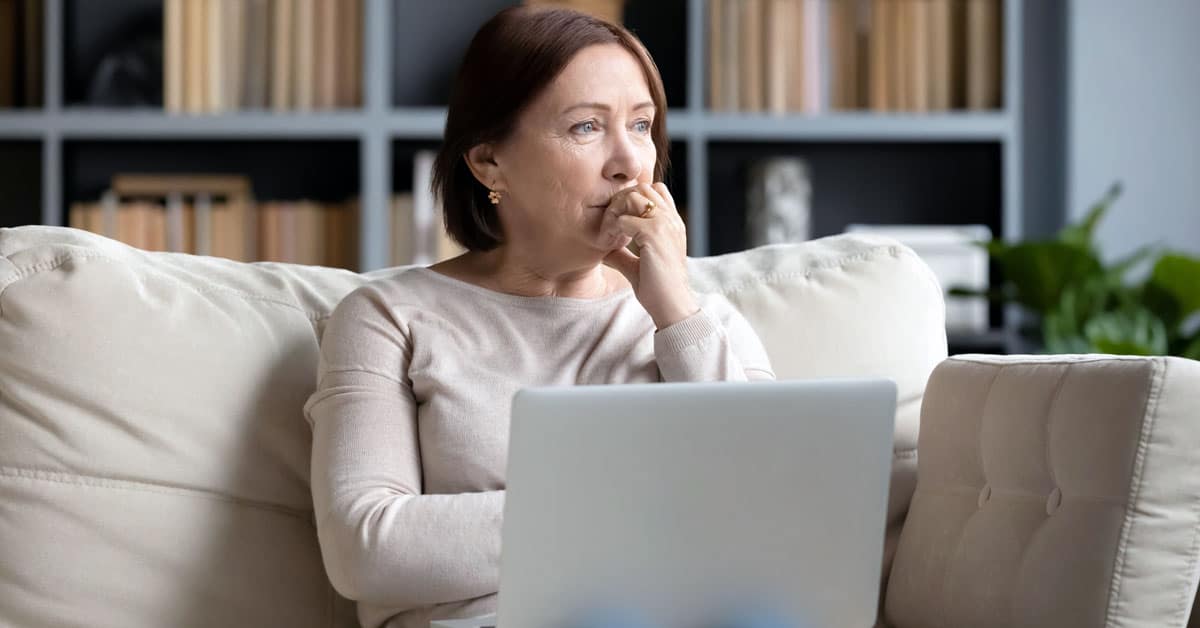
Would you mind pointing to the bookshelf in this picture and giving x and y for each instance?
(997, 167)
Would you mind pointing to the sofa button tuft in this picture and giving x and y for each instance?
(1053, 501)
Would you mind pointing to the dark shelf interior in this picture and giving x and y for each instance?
(20, 183)
(430, 38)
(319, 170)
(926, 183)
(124, 35)
(933, 183)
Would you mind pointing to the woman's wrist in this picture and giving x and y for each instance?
(675, 315)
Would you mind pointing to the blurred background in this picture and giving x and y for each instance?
(303, 130)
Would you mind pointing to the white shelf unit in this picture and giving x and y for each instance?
(1015, 130)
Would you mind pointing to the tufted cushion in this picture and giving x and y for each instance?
(153, 455)
(1056, 491)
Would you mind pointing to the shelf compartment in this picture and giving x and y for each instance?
(20, 183)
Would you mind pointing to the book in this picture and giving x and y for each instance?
(902, 44)
(776, 18)
(8, 53)
(351, 211)
(155, 220)
(881, 56)
(195, 94)
(234, 53)
(202, 229)
(215, 53)
(402, 230)
(813, 20)
(940, 54)
(730, 42)
(352, 46)
(311, 238)
(281, 55)
(268, 232)
(984, 61)
(843, 54)
(750, 63)
(326, 55)
(918, 46)
(173, 56)
(286, 232)
(304, 55)
(33, 70)
(256, 88)
(716, 76)
(335, 233)
(130, 228)
(425, 213)
(226, 233)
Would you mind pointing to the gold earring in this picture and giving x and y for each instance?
(494, 197)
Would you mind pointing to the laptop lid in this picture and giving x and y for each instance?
(685, 503)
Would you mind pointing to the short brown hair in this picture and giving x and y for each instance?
(510, 61)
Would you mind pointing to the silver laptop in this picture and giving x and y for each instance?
(695, 505)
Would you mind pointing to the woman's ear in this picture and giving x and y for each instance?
(481, 159)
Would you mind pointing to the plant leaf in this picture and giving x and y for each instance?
(1060, 334)
(1116, 272)
(992, 294)
(1192, 351)
(1040, 271)
(1081, 233)
(1127, 332)
(1179, 276)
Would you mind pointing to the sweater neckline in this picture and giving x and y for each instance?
(517, 299)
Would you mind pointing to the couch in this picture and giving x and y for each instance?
(154, 459)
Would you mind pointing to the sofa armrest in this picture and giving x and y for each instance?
(1053, 491)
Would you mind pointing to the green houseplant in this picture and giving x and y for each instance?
(1082, 305)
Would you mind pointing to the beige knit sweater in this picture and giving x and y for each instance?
(411, 412)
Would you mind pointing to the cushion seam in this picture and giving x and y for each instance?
(1136, 481)
(1186, 593)
(958, 546)
(770, 278)
(96, 481)
(32, 269)
(1050, 412)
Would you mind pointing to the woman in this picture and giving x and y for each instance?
(555, 146)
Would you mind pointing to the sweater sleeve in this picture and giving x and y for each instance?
(382, 541)
(714, 344)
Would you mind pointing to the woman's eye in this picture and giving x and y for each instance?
(585, 127)
(644, 126)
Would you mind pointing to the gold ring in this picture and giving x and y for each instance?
(649, 209)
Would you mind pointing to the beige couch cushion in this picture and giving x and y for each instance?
(1057, 491)
(153, 454)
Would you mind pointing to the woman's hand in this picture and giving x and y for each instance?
(646, 215)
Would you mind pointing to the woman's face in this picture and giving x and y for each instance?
(584, 138)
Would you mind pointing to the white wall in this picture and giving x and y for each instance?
(1133, 112)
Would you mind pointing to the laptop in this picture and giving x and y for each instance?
(695, 505)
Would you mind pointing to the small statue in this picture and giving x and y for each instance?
(778, 201)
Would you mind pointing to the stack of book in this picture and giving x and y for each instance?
(216, 215)
(20, 53)
(813, 56)
(228, 55)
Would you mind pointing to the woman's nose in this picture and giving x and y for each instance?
(623, 163)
